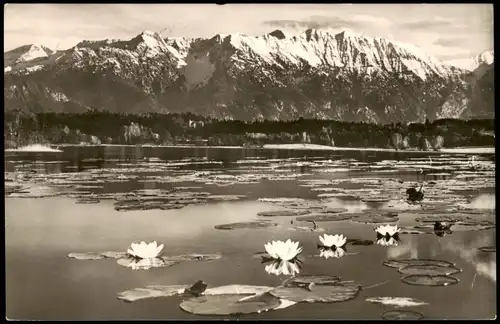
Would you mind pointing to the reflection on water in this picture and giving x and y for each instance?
(141, 264)
(384, 241)
(331, 252)
(40, 233)
(283, 267)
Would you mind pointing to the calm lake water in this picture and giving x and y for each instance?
(43, 283)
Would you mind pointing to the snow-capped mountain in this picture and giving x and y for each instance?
(316, 73)
(472, 63)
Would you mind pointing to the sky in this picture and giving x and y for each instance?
(450, 32)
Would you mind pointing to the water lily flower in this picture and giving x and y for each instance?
(388, 231)
(331, 253)
(145, 250)
(286, 268)
(285, 251)
(336, 241)
(387, 242)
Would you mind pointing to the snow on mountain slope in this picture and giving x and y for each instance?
(315, 73)
(26, 53)
(472, 63)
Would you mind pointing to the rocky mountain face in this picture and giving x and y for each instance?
(315, 74)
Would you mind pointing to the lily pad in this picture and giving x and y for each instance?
(430, 270)
(317, 293)
(386, 212)
(114, 254)
(376, 199)
(230, 304)
(247, 225)
(145, 264)
(238, 290)
(307, 229)
(406, 262)
(332, 210)
(426, 280)
(155, 291)
(374, 219)
(277, 213)
(396, 301)
(193, 257)
(88, 201)
(305, 280)
(325, 217)
(402, 315)
(86, 256)
(488, 248)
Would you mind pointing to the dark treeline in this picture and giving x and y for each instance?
(97, 127)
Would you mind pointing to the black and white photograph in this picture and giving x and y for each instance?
(246, 161)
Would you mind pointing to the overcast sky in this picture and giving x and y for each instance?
(447, 31)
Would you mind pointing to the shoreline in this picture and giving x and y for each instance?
(297, 147)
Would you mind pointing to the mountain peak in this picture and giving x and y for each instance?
(486, 57)
(279, 34)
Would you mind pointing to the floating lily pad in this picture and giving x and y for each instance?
(152, 292)
(88, 201)
(299, 281)
(225, 197)
(307, 229)
(396, 301)
(386, 212)
(277, 213)
(230, 304)
(86, 256)
(193, 257)
(332, 210)
(374, 219)
(317, 293)
(376, 199)
(145, 264)
(426, 280)
(246, 225)
(402, 315)
(115, 255)
(488, 248)
(238, 290)
(406, 262)
(430, 270)
(325, 217)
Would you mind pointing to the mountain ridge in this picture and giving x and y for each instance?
(315, 73)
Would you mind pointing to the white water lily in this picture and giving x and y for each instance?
(333, 240)
(285, 251)
(387, 230)
(145, 250)
(387, 242)
(286, 268)
(329, 253)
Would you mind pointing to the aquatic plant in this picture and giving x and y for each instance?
(285, 251)
(145, 250)
(331, 241)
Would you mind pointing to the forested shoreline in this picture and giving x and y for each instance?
(97, 127)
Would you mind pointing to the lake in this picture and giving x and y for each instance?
(97, 199)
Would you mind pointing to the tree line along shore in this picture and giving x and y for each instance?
(97, 127)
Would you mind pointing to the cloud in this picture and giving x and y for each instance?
(450, 42)
(430, 24)
(359, 22)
